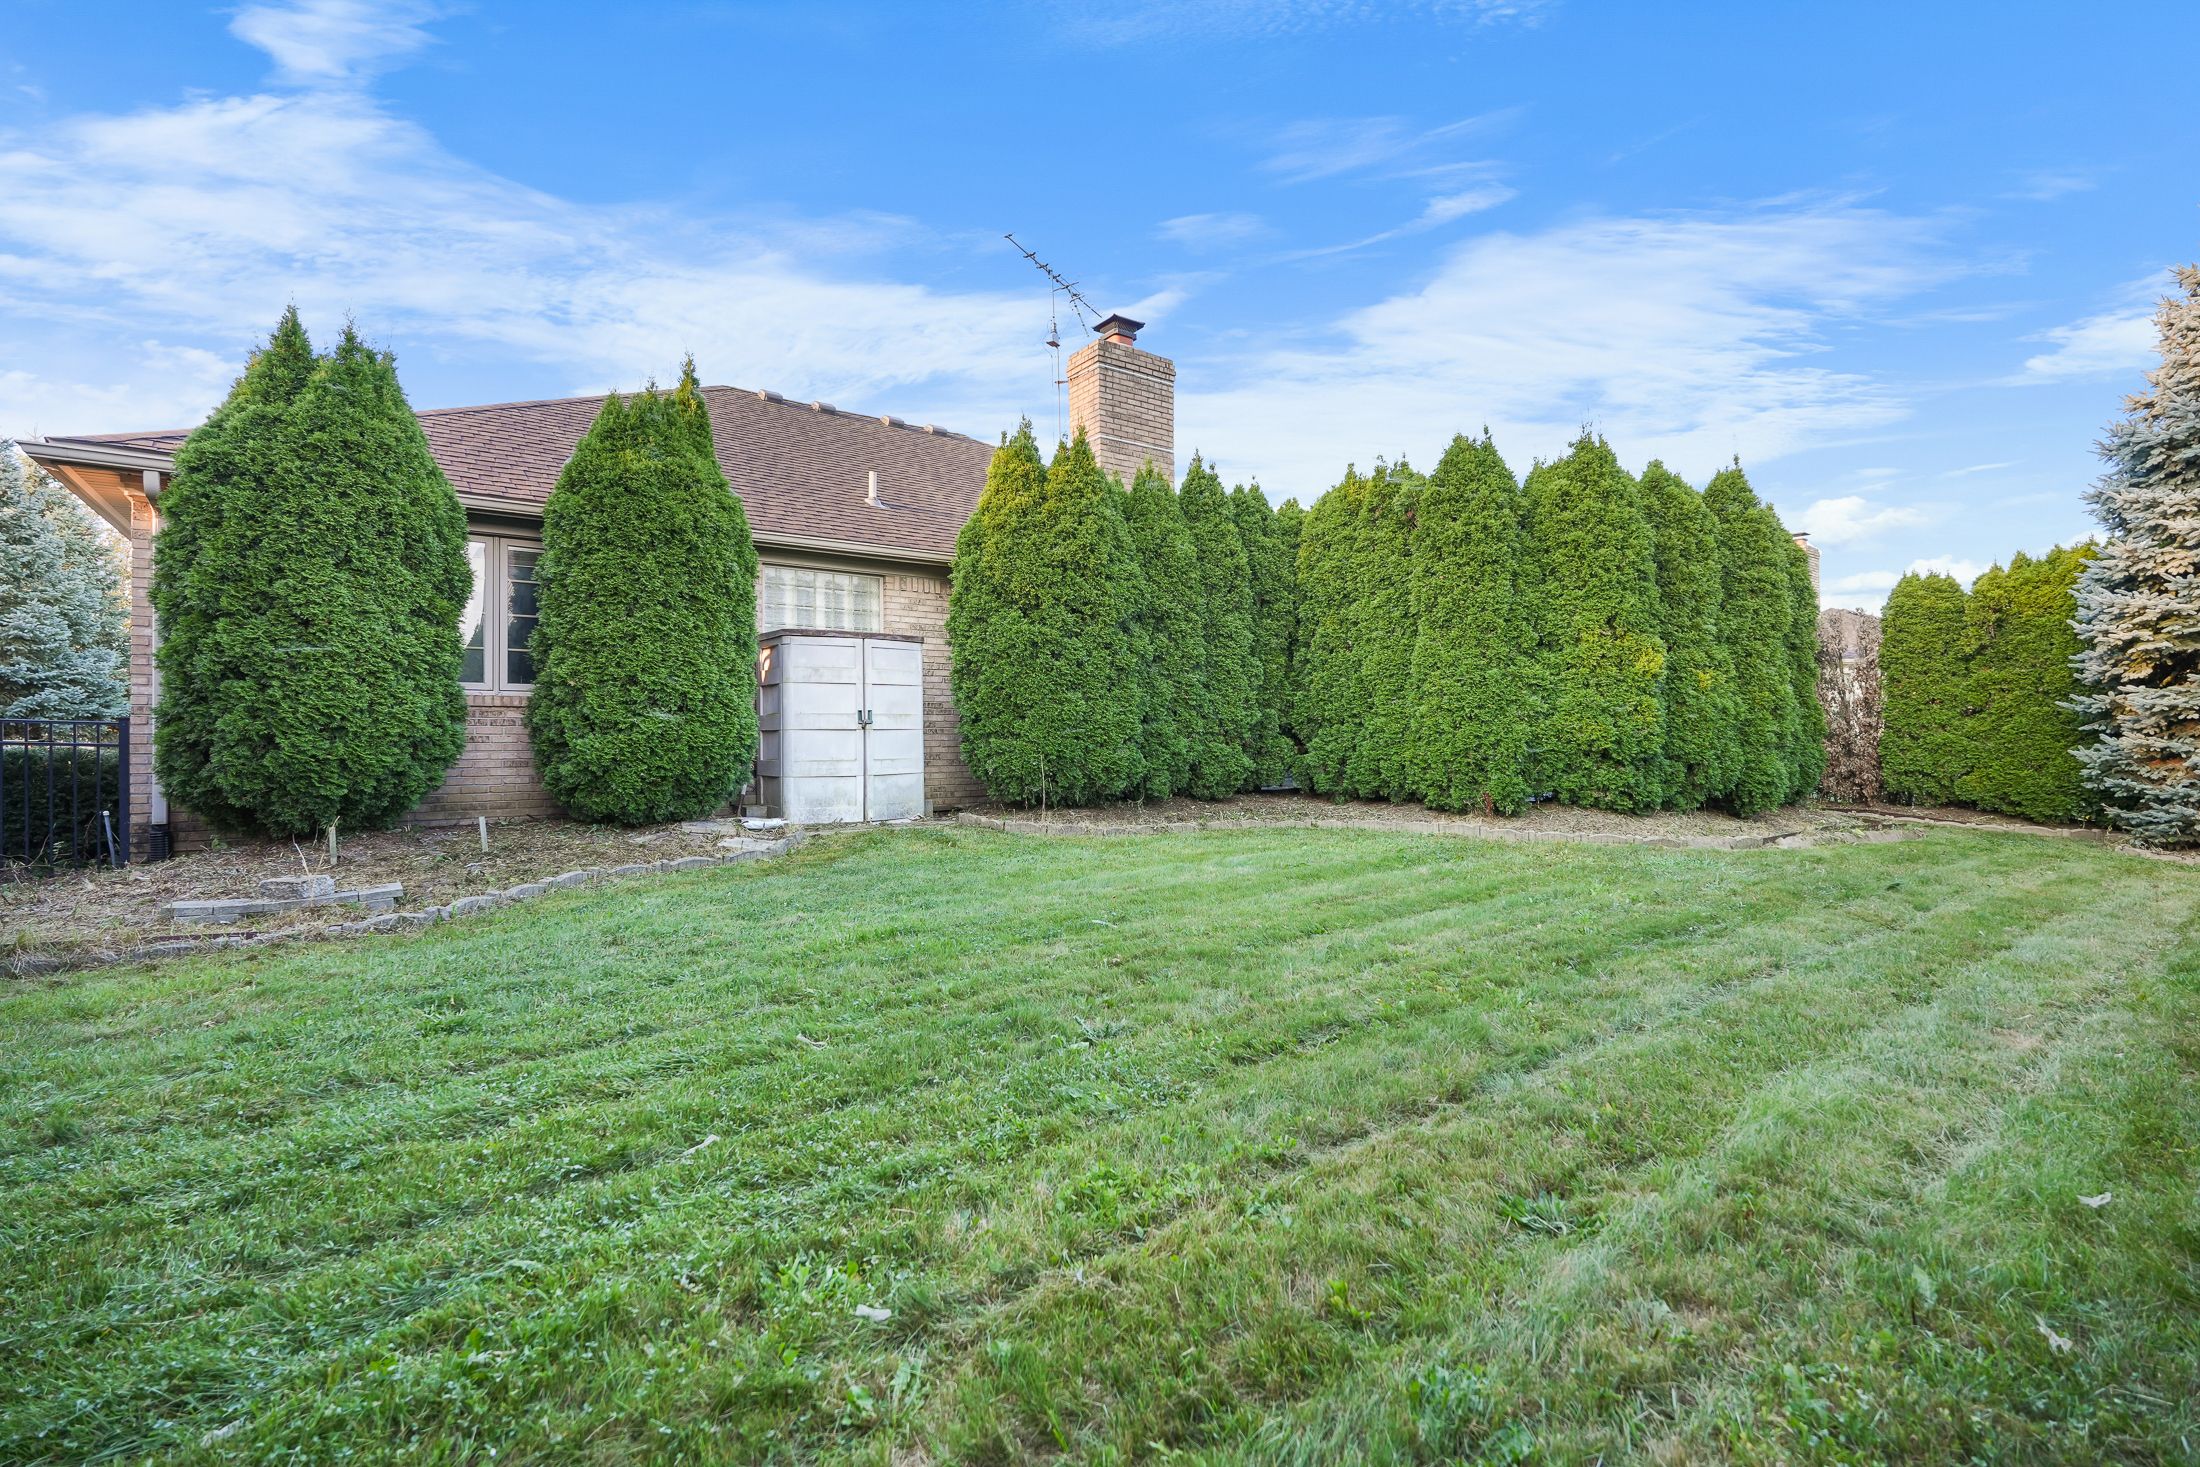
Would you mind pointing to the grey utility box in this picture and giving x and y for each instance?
(840, 720)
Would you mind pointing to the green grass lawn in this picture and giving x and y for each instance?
(1249, 1147)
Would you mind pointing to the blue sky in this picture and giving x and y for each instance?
(1900, 258)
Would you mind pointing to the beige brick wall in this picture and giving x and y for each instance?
(1125, 400)
(915, 605)
(495, 776)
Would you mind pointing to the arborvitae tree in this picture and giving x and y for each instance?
(1042, 629)
(1592, 579)
(1175, 654)
(237, 462)
(1227, 714)
(1273, 609)
(1383, 765)
(1468, 735)
(64, 635)
(1923, 751)
(1757, 605)
(1702, 707)
(1328, 701)
(310, 585)
(644, 706)
(1806, 726)
(1290, 522)
(2022, 731)
(2139, 600)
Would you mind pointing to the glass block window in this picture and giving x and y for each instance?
(836, 601)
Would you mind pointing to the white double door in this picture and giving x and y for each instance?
(841, 724)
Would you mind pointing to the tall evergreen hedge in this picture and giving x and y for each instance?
(1383, 765)
(1468, 735)
(644, 706)
(1174, 626)
(1806, 727)
(309, 581)
(1290, 523)
(1328, 704)
(1923, 752)
(1702, 707)
(1042, 630)
(2021, 733)
(1274, 605)
(1599, 664)
(1229, 709)
(1757, 606)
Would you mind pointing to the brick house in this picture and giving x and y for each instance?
(855, 518)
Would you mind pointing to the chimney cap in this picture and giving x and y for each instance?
(1119, 327)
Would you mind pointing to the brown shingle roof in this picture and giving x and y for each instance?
(801, 471)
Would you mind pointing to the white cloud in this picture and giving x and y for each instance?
(1681, 337)
(1848, 518)
(1861, 591)
(1879, 580)
(322, 41)
(197, 223)
(2044, 185)
(1970, 469)
(1470, 201)
(1212, 231)
(2114, 342)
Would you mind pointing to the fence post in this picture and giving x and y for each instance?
(122, 790)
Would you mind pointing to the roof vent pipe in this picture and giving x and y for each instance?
(870, 487)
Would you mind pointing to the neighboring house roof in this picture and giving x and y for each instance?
(801, 469)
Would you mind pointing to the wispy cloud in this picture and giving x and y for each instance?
(325, 41)
(2045, 185)
(1970, 469)
(1129, 22)
(1963, 570)
(2114, 342)
(1212, 231)
(1682, 337)
(1846, 519)
(1440, 210)
(1327, 147)
(318, 194)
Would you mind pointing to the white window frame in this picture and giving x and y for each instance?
(763, 583)
(496, 611)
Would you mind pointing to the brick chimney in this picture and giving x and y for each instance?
(1810, 553)
(1124, 397)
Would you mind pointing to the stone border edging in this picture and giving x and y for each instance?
(1790, 840)
(35, 965)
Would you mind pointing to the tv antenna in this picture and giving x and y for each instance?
(1079, 306)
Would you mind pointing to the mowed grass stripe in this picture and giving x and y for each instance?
(1119, 1086)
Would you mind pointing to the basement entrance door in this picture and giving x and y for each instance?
(840, 721)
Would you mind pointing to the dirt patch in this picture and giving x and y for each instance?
(1552, 821)
(97, 914)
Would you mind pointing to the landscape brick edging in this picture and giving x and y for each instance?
(1790, 840)
(38, 965)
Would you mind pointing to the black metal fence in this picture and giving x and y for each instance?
(64, 791)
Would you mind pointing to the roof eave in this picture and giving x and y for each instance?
(48, 452)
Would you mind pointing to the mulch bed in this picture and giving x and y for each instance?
(95, 914)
